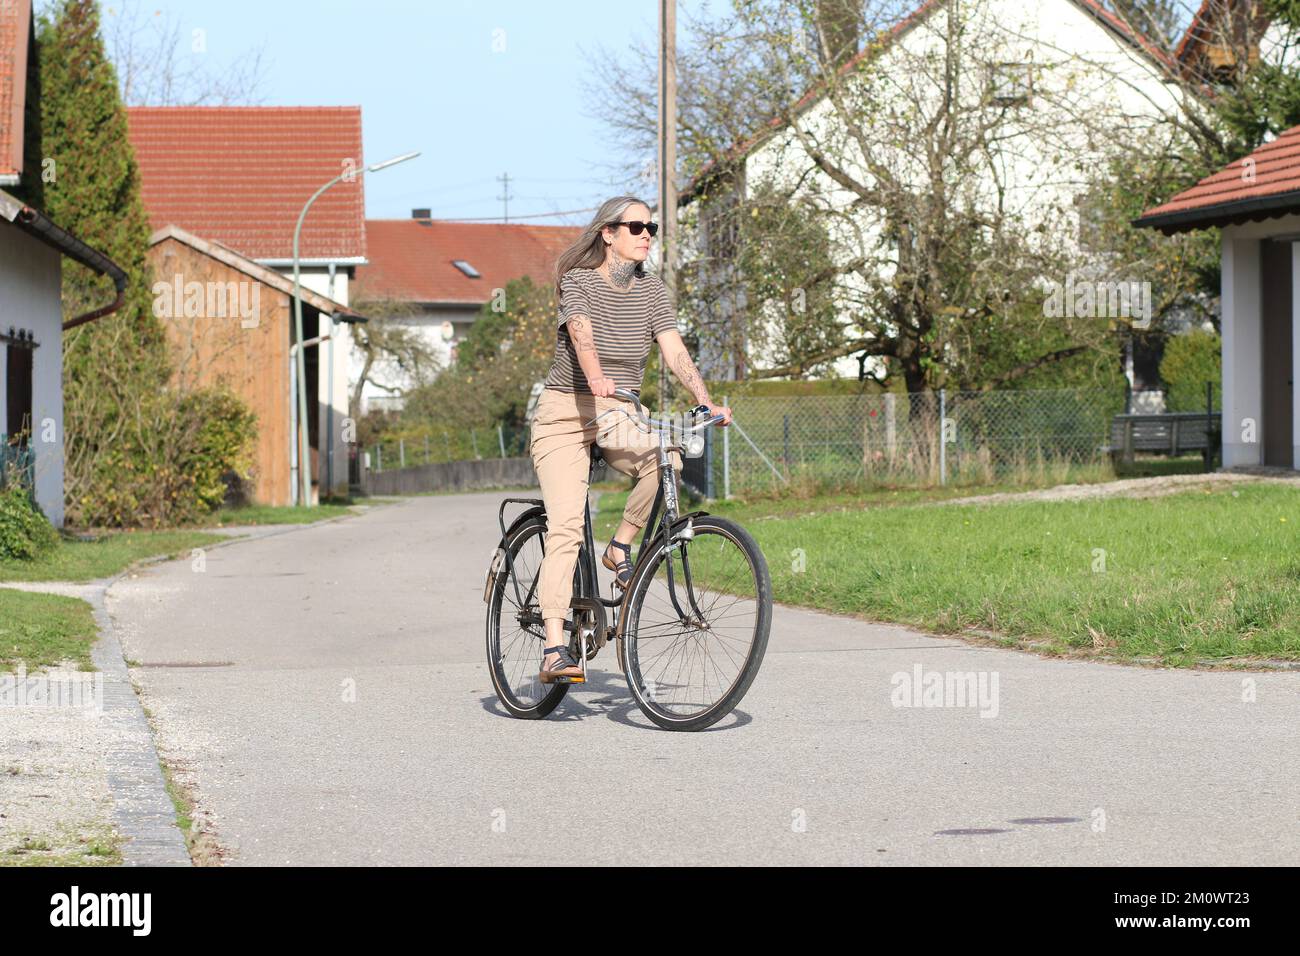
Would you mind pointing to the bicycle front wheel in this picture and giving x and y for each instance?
(690, 651)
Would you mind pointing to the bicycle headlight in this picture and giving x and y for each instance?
(693, 446)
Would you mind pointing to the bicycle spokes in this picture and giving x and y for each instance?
(699, 625)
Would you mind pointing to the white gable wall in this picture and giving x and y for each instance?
(333, 394)
(1244, 421)
(30, 299)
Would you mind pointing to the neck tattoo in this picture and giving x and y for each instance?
(620, 270)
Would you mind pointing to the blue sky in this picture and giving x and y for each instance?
(427, 78)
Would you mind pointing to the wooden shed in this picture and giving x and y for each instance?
(229, 320)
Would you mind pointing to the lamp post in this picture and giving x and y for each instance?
(304, 461)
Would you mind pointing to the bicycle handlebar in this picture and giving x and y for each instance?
(652, 423)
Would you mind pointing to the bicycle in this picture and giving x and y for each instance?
(667, 624)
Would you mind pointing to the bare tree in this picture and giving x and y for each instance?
(163, 62)
(922, 194)
(394, 355)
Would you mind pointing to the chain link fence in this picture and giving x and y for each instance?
(922, 438)
(448, 444)
(17, 464)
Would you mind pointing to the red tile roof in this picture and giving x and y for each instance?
(1195, 31)
(15, 33)
(411, 259)
(240, 175)
(1263, 184)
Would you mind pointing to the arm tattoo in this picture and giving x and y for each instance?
(689, 376)
(580, 334)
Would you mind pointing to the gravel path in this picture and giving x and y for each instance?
(1131, 487)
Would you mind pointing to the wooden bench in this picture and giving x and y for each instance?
(1169, 433)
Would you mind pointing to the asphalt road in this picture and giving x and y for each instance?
(324, 691)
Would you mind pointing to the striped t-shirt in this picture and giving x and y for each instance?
(623, 324)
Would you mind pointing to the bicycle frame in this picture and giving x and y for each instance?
(664, 510)
(666, 498)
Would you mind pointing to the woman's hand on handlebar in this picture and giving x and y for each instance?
(602, 386)
(722, 410)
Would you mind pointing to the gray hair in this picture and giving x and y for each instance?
(588, 250)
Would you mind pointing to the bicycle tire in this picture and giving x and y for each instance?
(629, 647)
(533, 709)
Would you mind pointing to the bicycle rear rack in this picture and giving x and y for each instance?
(595, 605)
(504, 547)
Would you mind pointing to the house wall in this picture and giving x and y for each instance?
(427, 322)
(333, 395)
(1242, 326)
(30, 298)
(253, 362)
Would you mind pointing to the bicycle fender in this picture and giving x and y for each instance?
(681, 520)
(533, 512)
(498, 556)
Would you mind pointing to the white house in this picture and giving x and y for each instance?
(31, 277)
(31, 336)
(1072, 81)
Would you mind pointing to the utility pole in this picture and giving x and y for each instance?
(667, 163)
(504, 179)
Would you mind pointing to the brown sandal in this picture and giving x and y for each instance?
(565, 670)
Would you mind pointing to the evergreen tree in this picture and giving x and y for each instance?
(116, 367)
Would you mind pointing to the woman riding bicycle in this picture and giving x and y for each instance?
(610, 309)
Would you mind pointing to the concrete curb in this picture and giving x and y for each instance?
(144, 812)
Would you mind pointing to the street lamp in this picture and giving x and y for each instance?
(304, 461)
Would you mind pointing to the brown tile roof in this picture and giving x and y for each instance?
(239, 175)
(1263, 184)
(15, 34)
(268, 277)
(411, 259)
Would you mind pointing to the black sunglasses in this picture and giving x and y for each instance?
(636, 227)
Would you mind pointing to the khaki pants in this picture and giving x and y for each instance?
(560, 449)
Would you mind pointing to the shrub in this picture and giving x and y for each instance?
(170, 465)
(25, 533)
(1190, 361)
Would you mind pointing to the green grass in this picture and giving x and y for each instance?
(1207, 574)
(108, 554)
(88, 846)
(614, 497)
(277, 514)
(41, 630)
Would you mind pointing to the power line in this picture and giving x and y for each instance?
(540, 215)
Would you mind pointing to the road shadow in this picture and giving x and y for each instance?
(606, 695)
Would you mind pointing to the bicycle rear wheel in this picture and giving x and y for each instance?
(515, 636)
(686, 674)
